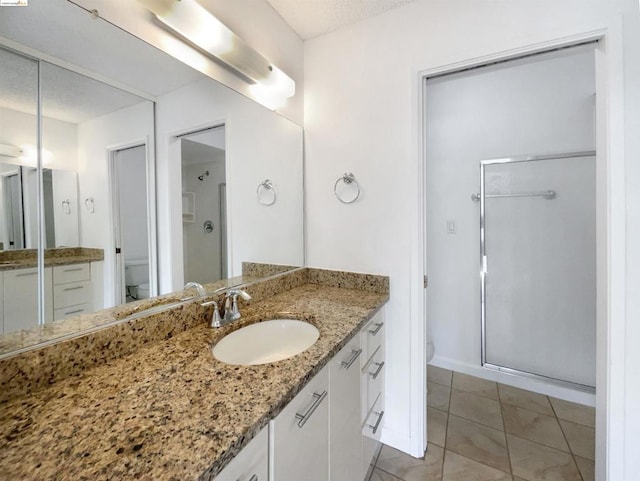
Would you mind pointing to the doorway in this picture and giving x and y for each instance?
(129, 186)
(493, 135)
(204, 205)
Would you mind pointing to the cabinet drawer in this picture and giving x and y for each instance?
(344, 378)
(71, 294)
(371, 440)
(372, 380)
(371, 337)
(300, 434)
(65, 312)
(251, 464)
(71, 273)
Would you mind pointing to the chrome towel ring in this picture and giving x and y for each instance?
(349, 181)
(266, 192)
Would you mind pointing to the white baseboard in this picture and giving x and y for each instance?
(399, 441)
(514, 380)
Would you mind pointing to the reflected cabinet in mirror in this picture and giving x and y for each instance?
(125, 174)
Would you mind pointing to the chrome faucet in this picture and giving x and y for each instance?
(216, 320)
(197, 286)
(231, 311)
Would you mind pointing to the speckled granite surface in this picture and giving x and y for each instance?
(170, 410)
(258, 269)
(24, 258)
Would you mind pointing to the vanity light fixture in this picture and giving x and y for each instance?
(10, 151)
(194, 24)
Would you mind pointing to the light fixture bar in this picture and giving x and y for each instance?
(198, 27)
(10, 151)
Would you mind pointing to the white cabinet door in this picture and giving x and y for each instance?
(21, 298)
(300, 434)
(345, 438)
(251, 464)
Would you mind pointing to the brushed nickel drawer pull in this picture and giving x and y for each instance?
(377, 329)
(73, 312)
(25, 274)
(73, 288)
(252, 478)
(74, 269)
(380, 366)
(347, 364)
(375, 427)
(303, 418)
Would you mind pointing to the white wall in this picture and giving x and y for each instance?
(532, 106)
(362, 115)
(125, 127)
(259, 144)
(58, 139)
(255, 21)
(631, 381)
(65, 188)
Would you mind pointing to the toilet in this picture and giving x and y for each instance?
(136, 276)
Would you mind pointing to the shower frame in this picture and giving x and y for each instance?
(483, 267)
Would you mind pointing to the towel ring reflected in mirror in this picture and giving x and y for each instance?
(266, 192)
(343, 185)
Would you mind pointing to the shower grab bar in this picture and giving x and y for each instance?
(547, 194)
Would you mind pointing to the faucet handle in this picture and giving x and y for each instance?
(239, 292)
(216, 320)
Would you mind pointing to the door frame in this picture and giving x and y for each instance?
(611, 239)
(115, 239)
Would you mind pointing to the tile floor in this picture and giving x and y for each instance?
(484, 431)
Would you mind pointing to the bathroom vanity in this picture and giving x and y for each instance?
(146, 399)
(72, 285)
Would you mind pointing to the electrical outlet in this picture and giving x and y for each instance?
(451, 227)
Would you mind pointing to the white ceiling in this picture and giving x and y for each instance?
(65, 31)
(312, 18)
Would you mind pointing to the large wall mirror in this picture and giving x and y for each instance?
(148, 175)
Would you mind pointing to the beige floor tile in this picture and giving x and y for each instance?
(476, 408)
(534, 427)
(438, 396)
(535, 462)
(475, 385)
(436, 426)
(582, 439)
(480, 443)
(587, 468)
(378, 475)
(525, 399)
(439, 375)
(576, 413)
(460, 468)
(407, 468)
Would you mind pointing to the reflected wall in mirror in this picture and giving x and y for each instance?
(18, 218)
(84, 124)
(87, 129)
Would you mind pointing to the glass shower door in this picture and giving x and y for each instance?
(539, 266)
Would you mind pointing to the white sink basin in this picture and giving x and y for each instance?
(265, 342)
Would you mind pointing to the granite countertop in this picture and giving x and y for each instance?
(170, 410)
(25, 258)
